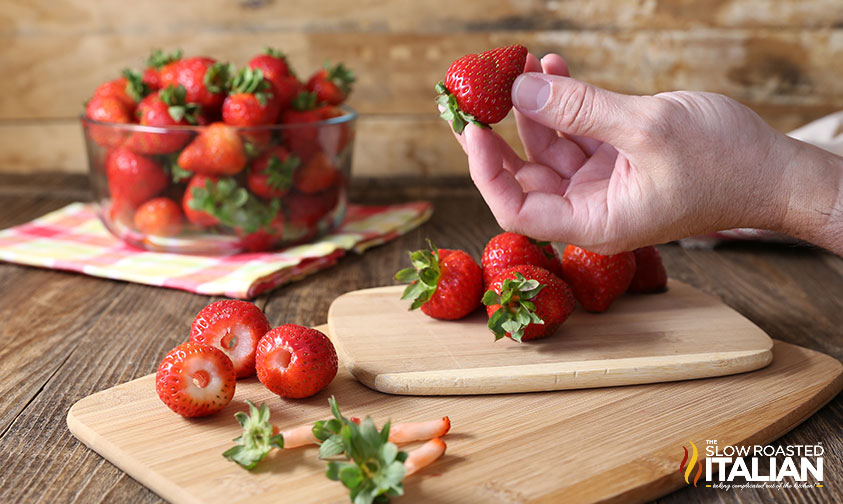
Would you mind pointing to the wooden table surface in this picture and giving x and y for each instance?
(67, 336)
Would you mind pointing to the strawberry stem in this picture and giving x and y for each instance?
(452, 112)
(516, 311)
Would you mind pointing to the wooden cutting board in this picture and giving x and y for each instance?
(678, 335)
(621, 444)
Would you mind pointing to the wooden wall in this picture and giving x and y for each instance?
(784, 58)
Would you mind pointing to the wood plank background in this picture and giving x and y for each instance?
(784, 58)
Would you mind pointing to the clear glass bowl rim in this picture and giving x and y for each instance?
(349, 116)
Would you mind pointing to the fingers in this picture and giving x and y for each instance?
(574, 107)
(535, 137)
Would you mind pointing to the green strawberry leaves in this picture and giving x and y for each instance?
(218, 77)
(257, 439)
(280, 173)
(234, 206)
(250, 81)
(373, 469)
(423, 276)
(304, 101)
(135, 87)
(341, 76)
(158, 58)
(516, 311)
(177, 105)
(452, 112)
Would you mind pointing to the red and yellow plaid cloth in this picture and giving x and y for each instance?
(74, 239)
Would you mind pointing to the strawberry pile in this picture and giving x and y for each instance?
(529, 290)
(246, 151)
(232, 339)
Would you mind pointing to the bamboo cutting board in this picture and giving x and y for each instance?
(621, 444)
(678, 335)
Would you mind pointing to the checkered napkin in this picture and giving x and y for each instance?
(74, 239)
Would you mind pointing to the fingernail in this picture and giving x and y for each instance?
(529, 92)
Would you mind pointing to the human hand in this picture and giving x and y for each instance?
(612, 172)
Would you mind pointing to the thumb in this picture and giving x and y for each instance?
(574, 107)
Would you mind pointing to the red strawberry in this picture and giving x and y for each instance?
(305, 211)
(317, 175)
(526, 302)
(204, 79)
(159, 217)
(156, 61)
(331, 84)
(446, 284)
(287, 89)
(510, 249)
(233, 326)
(271, 174)
(217, 150)
(167, 107)
(129, 89)
(195, 380)
(596, 279)
(300, 137)
(133, 178)
(478, 87)
(650, 275)
(192, 208)
(295, 361)
(265, 238)
(273, 64)
(251, 101)
(106, 109)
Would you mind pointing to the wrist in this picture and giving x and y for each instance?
(812, 202)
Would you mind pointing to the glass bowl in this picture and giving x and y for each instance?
(246, 189)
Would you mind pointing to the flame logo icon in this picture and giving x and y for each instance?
(686, 469)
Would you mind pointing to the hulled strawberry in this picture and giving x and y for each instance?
(204, 80)
(446, 284)
(511, 249)
(271, 174)
(133, 178)
(478, 87)
(251, 100)
(217, 150)
(650, 275)
(316, 175)
(195, 380)
(233, 326)
(332, 84)
(156, 61)
(159, 217)
(526, 302)
(164, 108)
(597, 280)
(295, 361)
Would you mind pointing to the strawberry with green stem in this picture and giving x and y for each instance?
(445, 284)
(511, 249)
(271, 174)
(210, 200)
(128, 89)
(276, 69)
(299, 136)
(251, 100)
(157, 60)
(478, 87)
(164, 108)
(526, 302)
(204, 79)
(332, 84)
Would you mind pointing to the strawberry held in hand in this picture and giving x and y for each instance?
(446, 284)
(597, 280)
(233, 326)
(511, 249)
(295, 361)
(526, 302)
(650, 275)
(477, 87)
(195, 380)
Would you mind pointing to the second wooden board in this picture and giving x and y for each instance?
(679, 335)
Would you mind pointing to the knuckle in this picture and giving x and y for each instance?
(574, 106)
